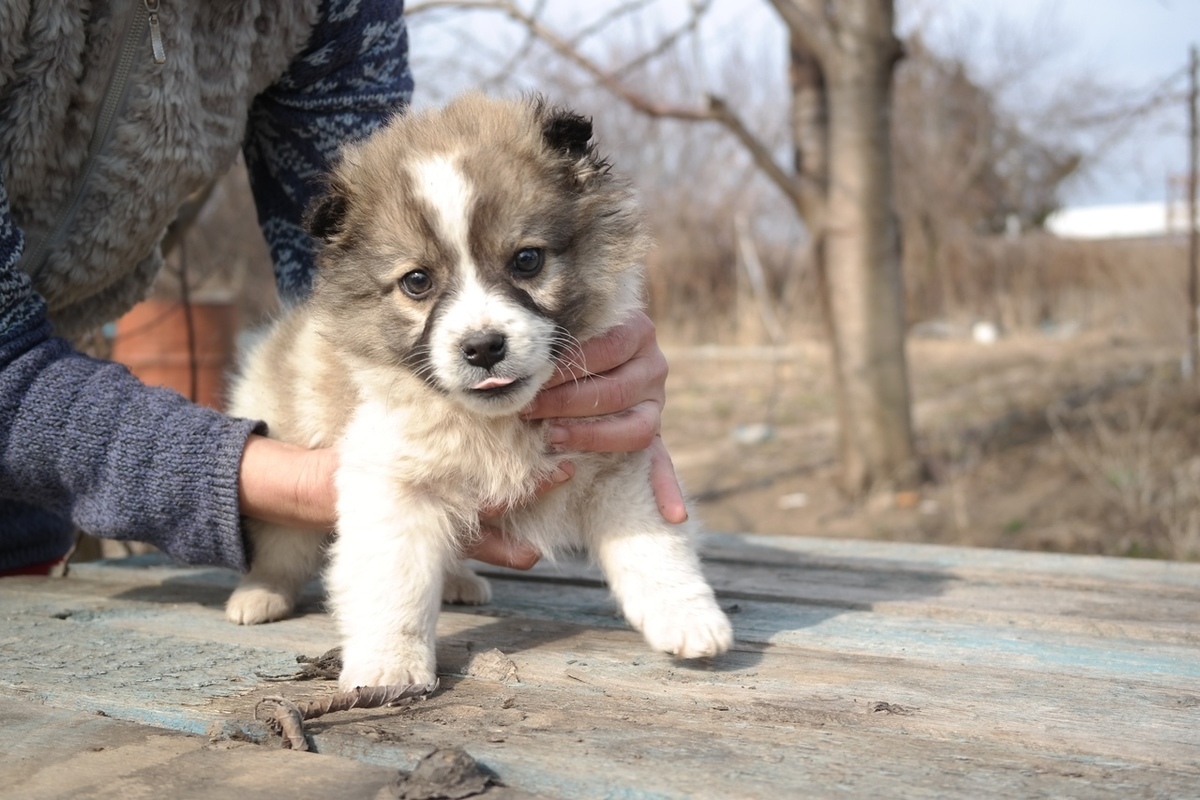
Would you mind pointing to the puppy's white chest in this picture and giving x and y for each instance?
(435, 448)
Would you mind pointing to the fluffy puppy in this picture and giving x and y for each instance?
(464, 253)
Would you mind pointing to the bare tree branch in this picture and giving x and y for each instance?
(529, 19)
(521, 53)
(789, 184)
(668, 41)
(717, 111)
(617, 12)
(1169, 92)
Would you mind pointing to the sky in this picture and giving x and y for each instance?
(1131, 46)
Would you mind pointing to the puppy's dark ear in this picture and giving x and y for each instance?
(567, 131)
(326, 217)
(570, 134)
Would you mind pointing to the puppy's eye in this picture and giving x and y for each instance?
(417, 284)
(528, 262)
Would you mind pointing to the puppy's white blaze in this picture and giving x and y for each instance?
(476, 308)
(450, 195)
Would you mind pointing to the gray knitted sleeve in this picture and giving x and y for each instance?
(87, 440)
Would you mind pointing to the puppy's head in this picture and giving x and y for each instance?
(476, 245)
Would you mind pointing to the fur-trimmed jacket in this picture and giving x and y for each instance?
(111, 113)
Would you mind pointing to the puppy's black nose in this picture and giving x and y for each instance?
(484, 350)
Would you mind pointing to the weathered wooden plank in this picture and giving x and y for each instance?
(603, 743)
(1091, 596)
(1001, 676)
(48, 754)
(885, 628)
(972, 584)
(894, 556)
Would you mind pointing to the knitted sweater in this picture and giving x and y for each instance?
(82, 440)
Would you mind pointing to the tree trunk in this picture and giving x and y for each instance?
(845, 55)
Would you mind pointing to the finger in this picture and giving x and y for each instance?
(496, 548)
(639, 379)
(627, 432)
(603, 353)
(665, 484)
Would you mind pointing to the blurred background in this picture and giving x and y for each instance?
(925, 271)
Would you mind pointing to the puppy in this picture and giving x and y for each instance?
(464, 254)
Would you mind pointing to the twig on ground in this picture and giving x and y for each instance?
(288, 717)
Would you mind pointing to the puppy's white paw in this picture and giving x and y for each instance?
(251, 605)
(407, 669)
(689, 630)
(464, 587)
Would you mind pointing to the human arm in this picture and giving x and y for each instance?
(85, 439)
(351, 78)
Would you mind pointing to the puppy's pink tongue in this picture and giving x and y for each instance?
(493, 383)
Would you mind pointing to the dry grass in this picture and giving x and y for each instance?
(1032, 283)
(1141, 453)
(1000, 475)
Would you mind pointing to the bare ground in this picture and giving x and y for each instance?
(1086, 444)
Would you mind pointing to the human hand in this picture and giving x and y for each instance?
(287, 484)
(494, 547)
(609, 398)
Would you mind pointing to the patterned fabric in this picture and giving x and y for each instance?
(353, 76)
(28, 535)
(20, 308)
(81, 440)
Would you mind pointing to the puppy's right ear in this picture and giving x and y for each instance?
(326, 218)
(567, 132)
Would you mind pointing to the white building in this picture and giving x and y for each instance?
(1124, 221)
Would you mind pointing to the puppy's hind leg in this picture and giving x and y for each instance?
(282, 560)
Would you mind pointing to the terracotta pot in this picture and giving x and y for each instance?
(152, 340)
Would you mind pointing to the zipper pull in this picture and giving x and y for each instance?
(156, 44)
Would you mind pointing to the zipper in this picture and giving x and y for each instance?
(156, 45)
(36, 257)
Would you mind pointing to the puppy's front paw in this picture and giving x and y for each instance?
(251, 605)
(688, 630)
(415, 668)
(464, 587)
